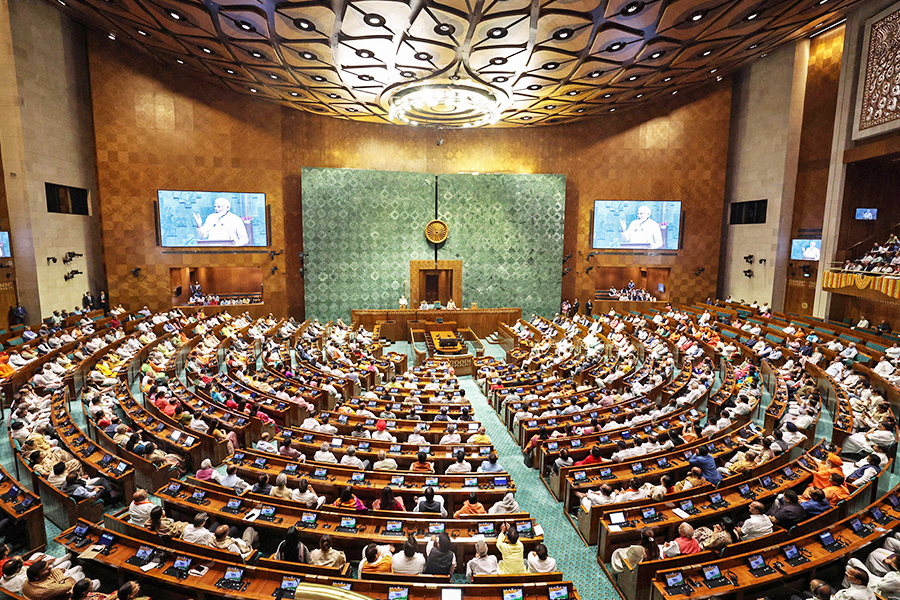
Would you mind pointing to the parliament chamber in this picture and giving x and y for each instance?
(392, 300)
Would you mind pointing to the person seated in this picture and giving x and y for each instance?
(262, 485)
(683, 544)
(388, 501)
(325, 555)
(511, 550)
(461, 466)
(376, 559)
(348, 500)
(15, 571)
(231, 480)
(196, 531)
(857, 580)
(305, 494)
(351, 460)
(480, 437)
(429, 503)
(451, 437)
(140, 508)
(421, 465)
(206, 472)
(265, 444)
(44, 582)
(381, 432)
(471, 506)
(324, 454)
(440, 557)
(409, 561)
(786, 511)
(877, 561)
(482, 564)
(707, 465)
(490, 465)
(539, 561)
(816, 504)
(693, 479)
(384, 463)
(757, 525)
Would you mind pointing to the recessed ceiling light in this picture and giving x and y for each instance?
(304, 24)
(142, 32)
(526, 118)
(632, 8)
(572, 93)
(719, 78)
(596, 73)
(61, 2)
(497, 32)
(207, 50)
(320, 78)
(712, 71)
(580, 110)
(754, 46)
(407, 74)
(444, 29)
(612, 110)
(764, 55)
(308, 55)
(550, 66)
(256, 54)
(422, 56)
(821, 2)
(639, 96)
(550, 106)
(751, 16)
(273, 76)
(352, 110)
(373, 20)
(246, 26)
(615, 47)
(696, 16)
(454, 77)
(656, 54)
(534, 86)
(362, 53)
(498, 60)
(229, 71)
(632, 78)
(179, 61)
(294, 94)
(364, 77)
(253, 90)
(675, 92)
(500, 79)
(707, 53)
(563, 34)
(112, 36)
(667, 79)
(818, 25)
(607, 95)
(333, 96)
(174, 15)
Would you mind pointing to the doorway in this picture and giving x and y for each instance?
(436, 285)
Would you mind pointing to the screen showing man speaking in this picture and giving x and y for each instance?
(189, 218)
(631, 225)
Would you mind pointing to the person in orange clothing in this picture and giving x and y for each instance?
(421, 465)
(822, 476)
(470, 507)
(837, 491)
(376, 559)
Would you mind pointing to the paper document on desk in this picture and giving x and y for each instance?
(538, 530)
(91, 552)
(615, 528)
(149, 566)
(680, 513)
(252, 515)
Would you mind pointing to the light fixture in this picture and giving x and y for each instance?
(304, 24)
(373, 20)
(829, 28)
(563, 34)
(497, 32)
(423, 56)
(112, 36)
(256, 54)
(179, 61)
(639, 96)
(207, 50)
(498, 60)
(656, 54)
(363, 77)
(754, 47)
(596, 73)
(294, 94)
(550, 106)
(142, 32)
(229, 71)
(245, 26)
(607, 95)
(751, 16)
(61, 2)
(362, 53)
(632, 78)
(696, 16)
(174, 15)
(500, 79)
(612, 110)
(352, 110)
(572, 93)
(407, 74)
(615, 46)
(446, 104)
(580, 110)
(712, 71)
(632, 8)
(308, 56)
(273, 76)
(667, 79)
(333, 96)
(550, 66)
(444, 29)
(821, 2)
(526, 118)
(675, 92)
(718, 78)
(253, 90)
(707, 53)
(534, 87)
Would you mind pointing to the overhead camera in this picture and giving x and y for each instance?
(749, 259)
(135, 272)
(748, 273)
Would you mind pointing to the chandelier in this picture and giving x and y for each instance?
(446, 104)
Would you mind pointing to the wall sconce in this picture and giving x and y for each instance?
(71, 275)
(136, 272)
(273, 254)
(275, 268)
(762, 261)
(699, 270)
(51, 259)
(70, 256)
(588, 270)
(749, 259)
(748, 273)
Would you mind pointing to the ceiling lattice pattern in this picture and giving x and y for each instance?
(553, 61)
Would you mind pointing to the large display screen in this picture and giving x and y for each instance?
(866, 214)
(634, 225)
(189, 219)
(5, 251)
(806, 249)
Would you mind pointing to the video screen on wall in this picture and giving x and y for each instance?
(198, 219)
(866, 214)
(5, 250)
(631, 225)
(806, 249)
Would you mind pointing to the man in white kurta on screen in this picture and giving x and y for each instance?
(643, 230)
(222, 225)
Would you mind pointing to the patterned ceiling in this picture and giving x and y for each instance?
(549, 62)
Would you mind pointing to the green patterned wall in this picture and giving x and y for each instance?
(360, 230)
(508, 231)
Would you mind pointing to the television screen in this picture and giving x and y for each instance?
(636, 225)
(866, 214)
(805, 249)
(189, 219)
(5, 250)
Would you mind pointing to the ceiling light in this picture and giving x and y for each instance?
(444, 29)
(364, 77)
(308, 55)
(719, 78)
(273, 76)
(829, 28)
(639, 96)
(61, 2)
(112, 36)
(763, 55)
(352, 110)
(256, 54)
(179, 61)
(445, 104)
(174, 15)
(333, 96)
(497, 32)
(656, 54)
(534, 86)
(818, 25)
(500, 79)
(563, 34)
(580, 110)
(821, 2)
(294, 94)
(550, 66)
(707, 53)
(596, 73)
(304, 24)
(229, 71)
(246, 26)
(550, 106)
(572, 93)
(697, 15)
(754, 46)
(407, 74)
(632, 78)
(632, 8)
(142, 32)
(373, 20)
(675, 92)
(607, 95)
(362, 53)
(424, 56)
(207, 50)
(612, 110)
(526, 118)
(615, 47)
(253, 90)
(751, 16)
(667, 79)
(712, 71)
(498, 60)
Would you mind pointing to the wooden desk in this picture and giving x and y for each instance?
(437, 339)
(33, 518)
